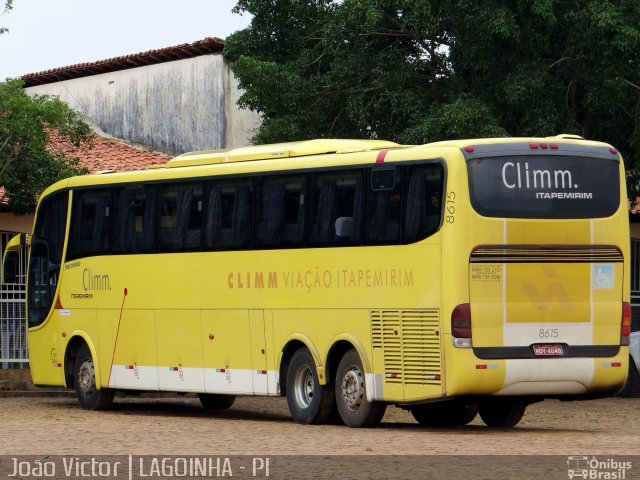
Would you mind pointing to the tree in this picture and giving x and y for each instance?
(347, 69)
(8, 5)
(423, 70)
(27, 163)
(556, 66)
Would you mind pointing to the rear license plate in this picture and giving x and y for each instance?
(548, 350)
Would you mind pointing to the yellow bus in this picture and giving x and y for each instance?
(448, 279)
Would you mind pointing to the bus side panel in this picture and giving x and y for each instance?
(227, 351)
(179, 346)
(107, 330)
(135, 359)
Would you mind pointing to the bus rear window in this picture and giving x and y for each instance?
(544, 186)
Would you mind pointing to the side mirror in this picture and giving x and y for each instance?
(10, 267)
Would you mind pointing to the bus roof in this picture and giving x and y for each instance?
(279, 150)
(281, 154)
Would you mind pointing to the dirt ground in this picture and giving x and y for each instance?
(263, 426)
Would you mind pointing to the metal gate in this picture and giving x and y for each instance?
(13, 332)
(13, 320)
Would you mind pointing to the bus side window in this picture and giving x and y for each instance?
(229, 205)
(422, 201)
(335, 208)
(383, 206)
(180, 210)
(280, 211)
(135, 219)
(90, 217)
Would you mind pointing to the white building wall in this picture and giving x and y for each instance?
(176, 106)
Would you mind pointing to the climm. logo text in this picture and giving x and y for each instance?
(516, 175)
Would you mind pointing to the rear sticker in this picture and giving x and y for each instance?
(486, 273)
(602, 277)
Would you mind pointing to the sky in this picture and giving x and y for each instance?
(46, 34)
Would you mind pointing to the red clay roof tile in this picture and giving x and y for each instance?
(109, 154)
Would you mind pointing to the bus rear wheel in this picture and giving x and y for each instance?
(213, 401)
(632, 387)
(85, 383)
(309, 402)
(351, 394)
(501, 412)
(447, 413)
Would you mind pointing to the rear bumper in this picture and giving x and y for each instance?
(546, 377)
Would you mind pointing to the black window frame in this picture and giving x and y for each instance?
(255, 180)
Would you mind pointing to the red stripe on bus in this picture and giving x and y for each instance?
(381, 155)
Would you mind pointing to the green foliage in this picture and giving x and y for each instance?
(424, 70)
(27, 164)
(8, 5)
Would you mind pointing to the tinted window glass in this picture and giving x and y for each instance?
(383, 206)
(180, 217)
(46, 255)
(135, 218)
(422, 201)
(90, 218)
(335, 207)
(280, 211)
(229, 210)
(544, 186)
(51, 224)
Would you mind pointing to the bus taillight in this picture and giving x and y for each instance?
(461, 326)
(625, 329)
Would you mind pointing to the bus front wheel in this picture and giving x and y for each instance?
(85, 383)
(309, 402)
(351, 395)
(501, 412)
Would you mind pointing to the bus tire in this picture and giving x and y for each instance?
(448, 413)
(214, 401)
(84, 377)
(501, 412)
(632, 386)
(351, 395)
(309, 402)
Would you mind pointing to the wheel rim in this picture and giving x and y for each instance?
(352, 388)
(303, 386)
(87, 378)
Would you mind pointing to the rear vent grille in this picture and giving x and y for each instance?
(410, 340)
(546, 254)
